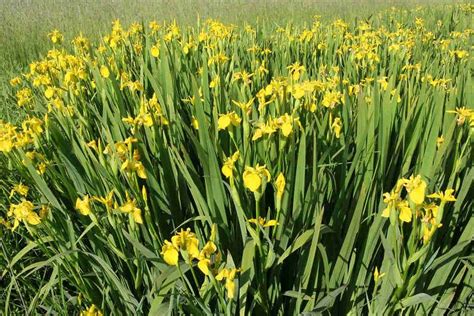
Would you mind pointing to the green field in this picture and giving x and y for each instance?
(236, 157)
(25, 24)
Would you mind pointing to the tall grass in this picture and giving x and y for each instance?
(274, 145)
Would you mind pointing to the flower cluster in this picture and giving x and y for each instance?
(415, 204)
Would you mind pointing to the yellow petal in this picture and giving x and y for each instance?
(258, 134)
(298, 92)
(223, 122)
(386, 212)
(16, 222)
(170, 254)
(280, 185)
(203, 265)
(235, 119)
(192, 247)
(270, 223)
(222, 274)
(209, 248)
(264, 171)
(83, 205)
(230, 287)
(141, 173)
(155, 51)
(176, 241)
(137, 216)
(286, 129)
(227, 170)
(417, 195)
(253, 221)
(147, 120)
(448, 194)
(33, 219)
(435, 196)
(195, 123)
(405, 214)
(128, 207)
(104, 71)
(377, 275)
(252, 181)
(49, 92)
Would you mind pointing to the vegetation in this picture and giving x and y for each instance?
(266, 168)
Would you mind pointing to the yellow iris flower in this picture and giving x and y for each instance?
(336, 127)
(155, 50)
(104, 71)
(23, 211)
(393, 202)
(130, 207)
(204, 257)
(187, 241)
(263, 222)
(228, 167)
(229, 276)
(19, 188)
(134, 166)
(280, 185)
(108, 201)
(416, 188)
(253, 177)
(170, 253)
(91, 311)
(225, 120)
(83, 205)
(246, 107)
(377, 275)
(447, 196)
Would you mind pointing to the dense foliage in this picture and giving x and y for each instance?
(252, 170)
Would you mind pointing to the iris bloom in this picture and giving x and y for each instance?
(246, 107)
(134, 166)
(108, 201)
(377, 275)
(461, 114)
(83, 205)
(253, 177)
(229, 276)
(447, 196)
(170, 253)
(187, 241)
(23, 212)
(416, 188)
(336, 127)
(104, 71)
(20, 188)
(228, 167)
(225, 120)
(130, 207)
(205, 255)
(280, 185)
(393, 202)
(262, 222)
(91, 311)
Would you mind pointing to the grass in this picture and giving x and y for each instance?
(363, 128)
